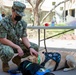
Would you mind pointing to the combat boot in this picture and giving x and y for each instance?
(16, 60)
(5, 67)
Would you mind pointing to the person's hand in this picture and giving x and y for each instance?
(33, 52)
(20, 52)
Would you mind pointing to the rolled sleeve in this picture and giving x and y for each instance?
(24, 34)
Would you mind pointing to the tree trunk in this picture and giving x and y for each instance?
(36, 17)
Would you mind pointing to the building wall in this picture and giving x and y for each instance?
(71, 8)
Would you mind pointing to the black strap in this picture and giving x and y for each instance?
(56, 66)
(47, 58)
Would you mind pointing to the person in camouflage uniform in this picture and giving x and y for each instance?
(12, 28)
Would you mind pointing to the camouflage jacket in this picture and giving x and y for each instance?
(11, 31)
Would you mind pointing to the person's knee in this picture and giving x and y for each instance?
(35, 46)
(6, 53)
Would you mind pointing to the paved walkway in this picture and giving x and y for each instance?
(57, 44)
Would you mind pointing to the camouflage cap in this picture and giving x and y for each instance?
(19, 7)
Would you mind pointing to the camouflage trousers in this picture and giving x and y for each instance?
(7, 52)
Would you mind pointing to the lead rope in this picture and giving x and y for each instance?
(45, 42)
